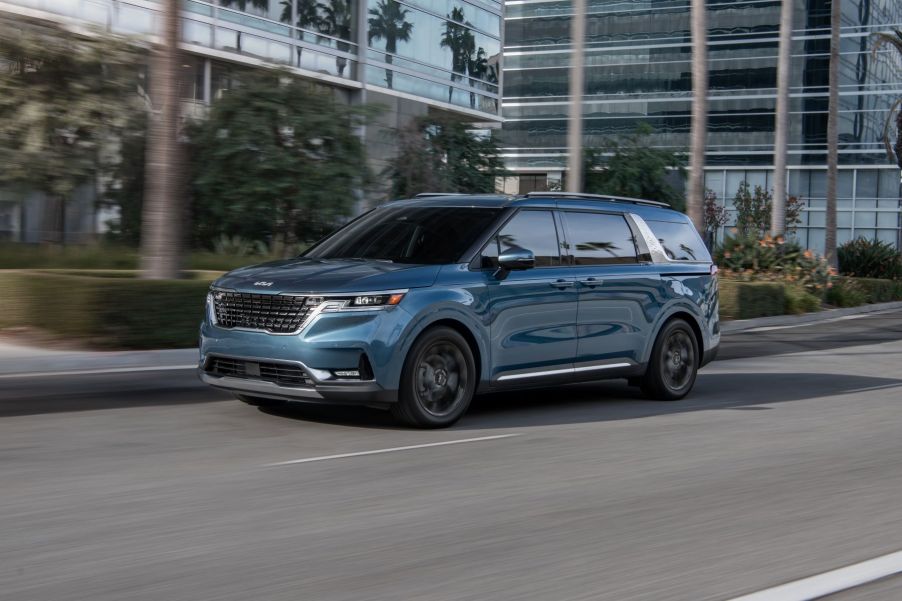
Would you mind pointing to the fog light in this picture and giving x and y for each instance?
(347, 373)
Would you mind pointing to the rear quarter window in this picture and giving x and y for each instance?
(680, 241)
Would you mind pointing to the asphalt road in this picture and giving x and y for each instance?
(784, 463)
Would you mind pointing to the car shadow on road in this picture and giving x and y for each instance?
(611, 400)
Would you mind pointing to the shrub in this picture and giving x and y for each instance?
(877, 290)
(106, 312)
(797, 300)
(773, 259)
(869, 259)
(745, 300)
(845, 292)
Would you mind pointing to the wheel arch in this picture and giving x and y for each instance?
(688, 317)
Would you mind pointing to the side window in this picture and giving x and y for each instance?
(532, 230)
(599, 239)
(680, 241)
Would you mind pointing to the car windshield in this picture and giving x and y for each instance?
(408, 234)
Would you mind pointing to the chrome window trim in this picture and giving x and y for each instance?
(654, 245)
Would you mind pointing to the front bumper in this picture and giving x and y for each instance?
(331, 342)
(345, 392)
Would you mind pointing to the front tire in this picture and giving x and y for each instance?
(674, 363)
(438, 380)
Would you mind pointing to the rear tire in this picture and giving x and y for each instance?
(674, 362)
(257, 401)
(438, 380)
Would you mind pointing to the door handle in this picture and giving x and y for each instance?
(591, 282)
(561, 284)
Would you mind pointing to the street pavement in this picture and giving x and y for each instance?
(784, 463)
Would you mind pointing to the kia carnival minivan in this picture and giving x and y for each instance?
(419, 304)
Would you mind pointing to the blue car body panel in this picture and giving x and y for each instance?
(559, 322)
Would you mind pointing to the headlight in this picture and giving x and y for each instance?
(376, 300)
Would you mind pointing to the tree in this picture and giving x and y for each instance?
(308, 17)
(635, 169)
(278, 161)
(781, 117)
(893, 152)
(832, 135)
(242, 6)
(699, 135)
(715, 217)
(388, 21)
(442, 154)
(64, 100)
(336, 22)
(163, 211)
(755, 209)
(576, 88)
(460, 40)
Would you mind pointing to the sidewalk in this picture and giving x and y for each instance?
(16, 359)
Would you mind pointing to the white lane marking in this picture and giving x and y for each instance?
(114, 370)
(832, 581)
(810, 323)
(390, 450)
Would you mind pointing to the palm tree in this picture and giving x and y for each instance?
(336, 22)
(459, 39)
(161, 232)
(576, 90)
(308, 18)
(832, 135)
(242, 6)
(893, 152)
(781, 119)
(388, 21)
(478, 69)
(699, 135)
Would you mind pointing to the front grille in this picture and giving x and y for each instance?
(269, 312)
(283, 374)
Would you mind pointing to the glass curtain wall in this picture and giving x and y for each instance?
(638, 69)
(447, 50)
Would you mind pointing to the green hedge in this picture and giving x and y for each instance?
(879, 291)
(14, 255)
(105, 310)
(745, 300)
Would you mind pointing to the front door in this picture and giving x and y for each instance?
(533, 312)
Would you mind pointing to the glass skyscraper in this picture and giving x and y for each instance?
(638, 69)
(409, 56)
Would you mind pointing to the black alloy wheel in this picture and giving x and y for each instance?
(674, 361)
(438, 380)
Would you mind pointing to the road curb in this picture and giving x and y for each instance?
(740, 325)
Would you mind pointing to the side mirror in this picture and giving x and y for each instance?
(516, 259)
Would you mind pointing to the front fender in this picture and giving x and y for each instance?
(434, 306)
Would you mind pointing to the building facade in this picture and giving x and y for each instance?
(409, 56)
(638, 69)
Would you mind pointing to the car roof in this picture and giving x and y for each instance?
(552, 200)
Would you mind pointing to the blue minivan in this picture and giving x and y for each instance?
(420, 304)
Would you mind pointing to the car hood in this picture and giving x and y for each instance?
(328, 275)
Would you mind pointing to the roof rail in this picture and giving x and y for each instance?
(434, 194)
(581, 195)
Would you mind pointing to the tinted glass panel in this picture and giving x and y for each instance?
(598, 239)
(680, 241)
(532, 230)
(409, 234)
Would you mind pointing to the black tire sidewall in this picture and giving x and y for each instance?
(408, 407)
(655, 384)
